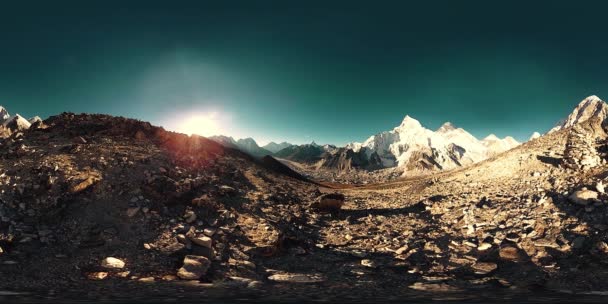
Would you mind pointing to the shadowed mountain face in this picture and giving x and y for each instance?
(247, 145)
(274, 147)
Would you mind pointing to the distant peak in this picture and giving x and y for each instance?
(410, 122)
(447, 126)
(534, 135)
(491, 137)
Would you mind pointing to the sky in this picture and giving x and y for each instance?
(300, 71)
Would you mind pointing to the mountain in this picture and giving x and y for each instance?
(274, 147)
(534, 135)
(250, 146)
(414, 147)
(591, 106)
(306, 153)
(3, 115)
(247, 145)
(34, 120)
(226, 141)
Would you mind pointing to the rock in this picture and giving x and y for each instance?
(203, 241)
(583, 197)
(482, 268)
(84, 184)
(600, 187)
(402, 250)
(484, 246)
(112, 263)
(190, 217)
(209, 231)
(368, 263)
(329, 203)
(146, 280)
(296, 278)
(131, 212)
(97, 276)
(194, 267)
(510, 253)
(169, 277)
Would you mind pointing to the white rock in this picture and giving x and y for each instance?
(112, 263)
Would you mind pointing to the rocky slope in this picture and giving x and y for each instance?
(93, 205)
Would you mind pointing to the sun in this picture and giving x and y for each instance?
(204, 124)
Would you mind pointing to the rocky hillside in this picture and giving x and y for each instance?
(93, 197)
(93, 204)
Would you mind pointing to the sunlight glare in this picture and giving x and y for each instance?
(204, 124)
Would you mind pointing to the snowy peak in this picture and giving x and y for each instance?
(589, 107)
(534, 135)
(17, 123)
(34, 120)
(409, 123)
(411, 146)
(446, 127)
(3, 114)
(491, 137)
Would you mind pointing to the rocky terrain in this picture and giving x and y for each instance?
(96, 206)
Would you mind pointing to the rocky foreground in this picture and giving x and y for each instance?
(98, 206)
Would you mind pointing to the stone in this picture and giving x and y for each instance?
(194, 267)
(97, 276)
(484, 246)
(190, 217)
(329, 203)
(583, 197)
(131, 212)
(209, 231)
(203, 241)
(402, 250)
(510, 253)
(112, 263)
(484, 268)
(600, 187)
(368, 263)
(83, 185)
(296, 278)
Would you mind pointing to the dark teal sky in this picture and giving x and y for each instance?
(298, 71)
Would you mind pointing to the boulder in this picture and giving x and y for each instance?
(112, 263)
(329, 203)
(583, 197)
(194, 267)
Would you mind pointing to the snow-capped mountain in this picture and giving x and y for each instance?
(4, 116)
(412, 146)
(274, 147)
(591, 106)
(534, 135)
(15, 123)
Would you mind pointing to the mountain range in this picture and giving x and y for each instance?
(409, 147)
(16, 122)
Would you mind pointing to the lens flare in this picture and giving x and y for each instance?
(204, 124)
